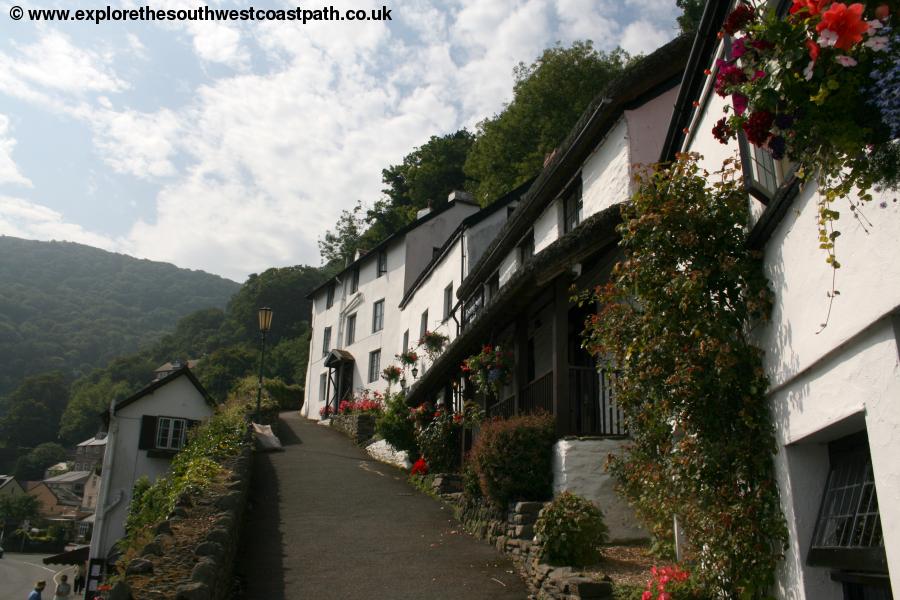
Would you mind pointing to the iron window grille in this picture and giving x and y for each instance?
(848, 533)
(378, 316)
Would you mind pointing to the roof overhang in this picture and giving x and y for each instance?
(337, 357)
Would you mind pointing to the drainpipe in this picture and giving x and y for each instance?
(109, 455)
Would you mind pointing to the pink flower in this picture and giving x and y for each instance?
(759, 75)
(647, 595)
(877, 43)
(845, 61)
(828, 38)
(739, 102)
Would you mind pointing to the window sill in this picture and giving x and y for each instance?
(162, 453)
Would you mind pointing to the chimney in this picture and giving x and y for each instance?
(424, 211)
(461, 196)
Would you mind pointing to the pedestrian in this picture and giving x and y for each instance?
(79, 579)
(63, 589)
(38, 588)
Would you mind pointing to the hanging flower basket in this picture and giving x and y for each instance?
(819, 87)
(433, 343)
(490, 370)
(408, 358)
(391, 374)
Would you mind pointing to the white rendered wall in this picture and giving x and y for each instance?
(508, 266)
(178, 398)
(578, 467)
(421, 241)
(547, 227)
(822, 382)
(605, 175)
(647, 127)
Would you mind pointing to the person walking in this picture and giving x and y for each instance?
(79, 579)
(63, 589)
(36, 592)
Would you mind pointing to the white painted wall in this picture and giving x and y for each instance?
(177, 398)
(606, 174)
(578, 467)
(823, 384)
(548, 226)
(508, 266)
(647, 127)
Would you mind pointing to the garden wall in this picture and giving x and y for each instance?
(579, 468)
(358, 427)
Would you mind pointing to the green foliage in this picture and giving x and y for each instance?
(674, 321)
(548, 98)
(691, 13)
(395, 426)
(31, 413)
(571, 531)
(31, 466)
(340, 245)
(194, 469)
(16, 509)
(90, 399)
(439, 442)
(219, 371)
(71, 307)
(470, 484)
(514, 458)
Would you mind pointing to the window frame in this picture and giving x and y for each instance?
(350, 330)
(423, 324)
(354, 280)
(329, 294)
(170, 431)
(326, 341)
(526, 247)
(378, 316)
(406, 341)
(323, 386)
(572, 196)
(374, 365)
(381, 265)
(448, 301)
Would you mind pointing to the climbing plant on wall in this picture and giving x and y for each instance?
(674, 319)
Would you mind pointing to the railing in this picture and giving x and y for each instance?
(537, 396)
(503, 409)
(594, 410)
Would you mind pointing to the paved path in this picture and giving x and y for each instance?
(18, 572)
(327, 522)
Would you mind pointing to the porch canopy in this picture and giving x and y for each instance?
(338, 357)
(595, 235)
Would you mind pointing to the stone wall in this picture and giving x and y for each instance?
(579, 468)
(183, 564)
(513, 533)
(358, 427)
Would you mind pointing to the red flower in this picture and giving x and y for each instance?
(738, 18)
(757, 127)
(722, 131)
(813, 50)
(846, 22)
(813, 7)
(487, 349)
(419, 468)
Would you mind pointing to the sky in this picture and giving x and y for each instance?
(232, 147)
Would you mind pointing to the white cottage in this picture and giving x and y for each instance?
(833, 392)
(145, 431)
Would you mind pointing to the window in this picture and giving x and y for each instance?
(326, 341)
(378, 316)
(382, 263)
(170, 433)
(374, 365)
(354, 280)
(448, 301)
(493, 286)
(526, 247)
(573, 207)
(329, 300)
(848, 533)
(406, 340)
(351, 330)
(423, 324)
(323, 386)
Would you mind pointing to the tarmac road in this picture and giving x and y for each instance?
(18, 572)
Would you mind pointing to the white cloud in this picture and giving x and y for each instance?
(136, 143)
(216, 42)
(21, 218)
(9, 172)
(644, 37)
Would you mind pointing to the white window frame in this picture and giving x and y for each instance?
(169, 431)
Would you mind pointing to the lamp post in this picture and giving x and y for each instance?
(265, 324)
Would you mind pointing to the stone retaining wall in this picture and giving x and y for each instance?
(513, 534)
(211, 576)
(358, 427)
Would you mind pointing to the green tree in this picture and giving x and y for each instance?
(340, 244)
(90, 399)
(691, 13)
(15, 509)
(31, 413)
(548, 98)
(221, 370)
(288, 359)
(31, 467)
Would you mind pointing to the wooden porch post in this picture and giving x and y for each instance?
(561, 401)
(520, 372)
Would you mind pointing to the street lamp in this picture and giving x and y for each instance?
(265, 324)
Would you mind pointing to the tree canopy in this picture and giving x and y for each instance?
(691, 13)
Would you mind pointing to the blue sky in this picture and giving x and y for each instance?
(231, 147)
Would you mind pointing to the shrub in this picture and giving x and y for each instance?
(671, 582)
(395, 426)
(513, 458)
(570, 531)
(439, 442)
(471, 486)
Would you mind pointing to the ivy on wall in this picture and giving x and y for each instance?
(674, 320)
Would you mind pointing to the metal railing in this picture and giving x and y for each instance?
(503, 409)
(537, 396)
(594, 410)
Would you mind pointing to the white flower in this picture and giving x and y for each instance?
(874, 24)
(877, 43)
(808, 71)
(827, 38)
(845, 60)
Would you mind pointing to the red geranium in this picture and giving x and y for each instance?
(813, 50)
(419, 468)
(813, 7)
(758, 127)
(738, 18)
(846, 22)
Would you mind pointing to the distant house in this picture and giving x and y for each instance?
(55, 503)
(72, 481)
(145, 431)
(10, 487)
(170, 367)
(56, 469)
(89, 453)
